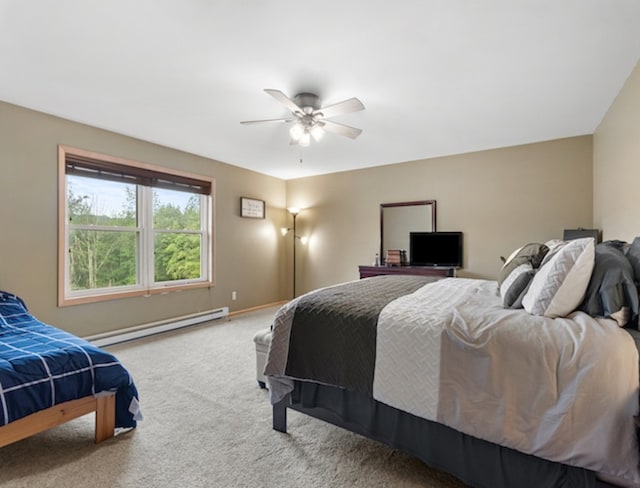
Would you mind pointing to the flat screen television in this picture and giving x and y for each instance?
(441, 249)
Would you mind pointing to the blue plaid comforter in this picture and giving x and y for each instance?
(42, 366)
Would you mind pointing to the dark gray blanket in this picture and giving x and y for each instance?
(612, 292)
(338, 325)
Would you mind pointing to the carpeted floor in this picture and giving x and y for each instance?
(207, 424)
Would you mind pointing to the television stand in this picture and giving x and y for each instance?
(368, 271)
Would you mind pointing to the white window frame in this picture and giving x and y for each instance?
(145, 236)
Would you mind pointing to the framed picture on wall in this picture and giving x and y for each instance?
(251, 208)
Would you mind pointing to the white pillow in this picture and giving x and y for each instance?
(554, 246)
(559, 286)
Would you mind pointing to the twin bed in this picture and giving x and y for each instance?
(544, 395)
(48, 377)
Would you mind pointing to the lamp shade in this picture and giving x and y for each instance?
(305, 139)
(317, 132)
(296, 131)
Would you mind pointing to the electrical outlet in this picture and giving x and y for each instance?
(233, 295)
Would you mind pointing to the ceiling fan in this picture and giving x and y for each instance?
(310, 119)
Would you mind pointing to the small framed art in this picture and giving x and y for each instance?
(251, 208)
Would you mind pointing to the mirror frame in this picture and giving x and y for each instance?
(432, 203)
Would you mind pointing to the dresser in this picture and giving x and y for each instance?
(367, 271)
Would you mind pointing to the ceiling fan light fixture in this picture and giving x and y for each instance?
(305, 139)
(296, 131)
(310, 118)
(317, 132)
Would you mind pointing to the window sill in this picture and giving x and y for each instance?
(116, 295)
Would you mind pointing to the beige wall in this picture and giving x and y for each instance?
(616, 165)
(500, 199)
(250, 255)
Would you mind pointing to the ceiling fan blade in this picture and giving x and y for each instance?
(284, 100)
(340, 129)
(344, 107)
(266, 121)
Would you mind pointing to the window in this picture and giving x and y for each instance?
(129, 228)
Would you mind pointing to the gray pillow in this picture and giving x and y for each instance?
(515, 286)
(532, 254)
(612, 292)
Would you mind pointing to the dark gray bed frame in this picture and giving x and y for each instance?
(475, 462)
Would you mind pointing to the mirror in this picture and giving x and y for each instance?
(400, 218)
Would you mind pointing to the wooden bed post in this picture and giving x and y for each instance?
(105, 417)
(280, 414)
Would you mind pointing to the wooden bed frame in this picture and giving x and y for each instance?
(104, 407)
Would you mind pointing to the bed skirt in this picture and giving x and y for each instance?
(474, 461)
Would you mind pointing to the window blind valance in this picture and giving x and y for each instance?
(107, 170)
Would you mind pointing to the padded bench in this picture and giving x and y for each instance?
(262, 340)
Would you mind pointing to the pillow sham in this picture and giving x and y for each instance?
(532, 254)
(612, 292)
(559, 286)
(515, 286)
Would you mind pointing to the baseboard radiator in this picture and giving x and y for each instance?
(139, 331)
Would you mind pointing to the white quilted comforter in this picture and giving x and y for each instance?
(563, 389)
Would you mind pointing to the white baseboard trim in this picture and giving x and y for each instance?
(139, 331)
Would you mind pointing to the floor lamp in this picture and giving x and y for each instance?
(294, 212)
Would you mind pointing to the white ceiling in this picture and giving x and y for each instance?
(437, 77)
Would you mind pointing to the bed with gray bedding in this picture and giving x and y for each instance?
(546, 401)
